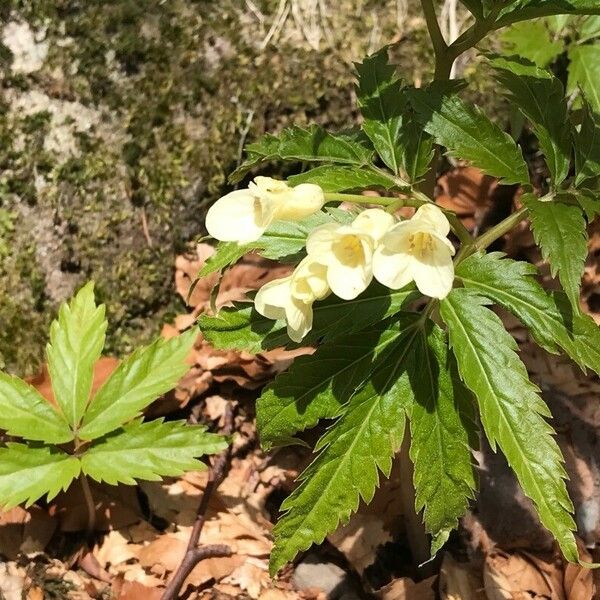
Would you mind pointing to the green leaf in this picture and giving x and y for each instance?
(417, 147)
(532, 40)
(226, 254)
(442, 433)
(589, 202)
(243, 328)
(549, 317)
(283, 240)
(141, 378)
(29, 472)
(587, 147)
(313, 144)
(523, 10)
(24, 412)
(539, 95)
(340, 179)
(379, 93)
(361, 443)
(560, 231)
(511, 410)
(317, 386)
(468, 134)
(76, 342)
(588, 29)
(149, 451)
(584, 72)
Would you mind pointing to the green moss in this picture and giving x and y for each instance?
(169, 87)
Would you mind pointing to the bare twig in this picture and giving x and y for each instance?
(194, 554)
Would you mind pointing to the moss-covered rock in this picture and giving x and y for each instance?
(119, 122)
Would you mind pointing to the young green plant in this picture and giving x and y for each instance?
(101, 436)
(407, 343)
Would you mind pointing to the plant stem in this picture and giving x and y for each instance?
(90, 505)
(443, 63)
(195, 554)
(491, 235)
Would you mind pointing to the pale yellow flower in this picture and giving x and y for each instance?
(417, 250)
(347, 251)
(243, 216)
(291, 298)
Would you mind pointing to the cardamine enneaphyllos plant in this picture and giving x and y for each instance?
(401, 310)
(101, 436)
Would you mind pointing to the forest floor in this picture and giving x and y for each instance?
(500, 551)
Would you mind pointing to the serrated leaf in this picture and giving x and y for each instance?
(362, 443)
(532, 40)
(417, 146)
(539, 95)
(318, 385)
(283, 241)
(24, 412)
(379, 94)
(587, 147)
(141, 378)
(313, 144)
(584, 72)
(512, 412)
(340, 179)
(149, 451)
(28, 472)
(589, 202)
(468, 134)
(549, 317)
(76, 342)
(522, 10)
(442, 432)
(226, 254)
(560, 231)
(243, 328)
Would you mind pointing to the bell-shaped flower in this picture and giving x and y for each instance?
(291, 298)
(347, 251)
(243, 216)
(417, 250)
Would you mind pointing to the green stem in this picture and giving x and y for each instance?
(443, 64)
(491, 235)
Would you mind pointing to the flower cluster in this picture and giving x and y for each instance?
(341, 259)
(244, 215)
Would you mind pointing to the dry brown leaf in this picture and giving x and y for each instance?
(460, 581)
(116, 507)
(115, 548)
(132, 590)
(25, 530)
(359, 539)
(102, 371)
(406, 589)
(35, 593)
(515, 577)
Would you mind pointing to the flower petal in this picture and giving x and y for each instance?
(272, 298)
(374, 222)
(320, 241)
(434, 272)
(299, 317)
(348, 282)
(309, 281)
(392, 268)
(299, 202)
(239, 217)
(433, 216)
